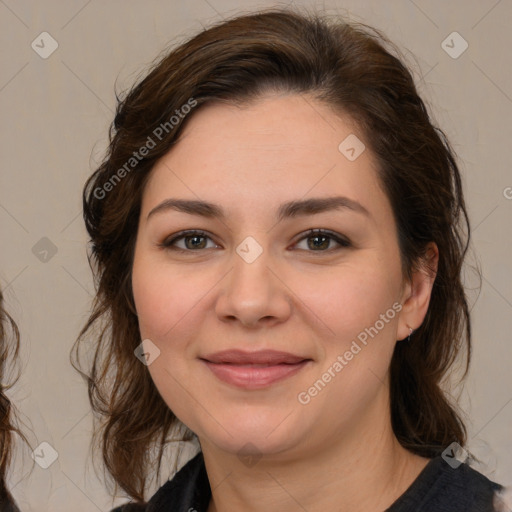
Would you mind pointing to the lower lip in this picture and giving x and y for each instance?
(253, 377)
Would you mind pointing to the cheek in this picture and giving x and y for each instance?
(351, 298)
(168, 303)
(163, 297)
(357, 306)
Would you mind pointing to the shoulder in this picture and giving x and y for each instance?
(188, 489)
(443, 488)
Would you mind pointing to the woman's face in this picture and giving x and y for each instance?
(326, 305)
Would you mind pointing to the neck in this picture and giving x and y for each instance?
(360, 470)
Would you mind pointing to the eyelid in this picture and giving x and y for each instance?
(171, 239)
(341, 240)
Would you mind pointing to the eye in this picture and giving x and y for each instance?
(320, 240)
(317, 240)
(190, 240)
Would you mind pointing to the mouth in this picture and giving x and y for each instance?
(254, 370)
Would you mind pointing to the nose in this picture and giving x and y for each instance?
(253, 295)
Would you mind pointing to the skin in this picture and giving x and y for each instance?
(339, 450)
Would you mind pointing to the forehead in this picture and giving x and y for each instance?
(278, 148)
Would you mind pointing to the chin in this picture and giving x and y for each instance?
(253, 445)
(251, 436)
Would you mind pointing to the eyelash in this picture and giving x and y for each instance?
(168, 243)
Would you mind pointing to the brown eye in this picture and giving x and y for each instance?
(189, 241)
(319, 240)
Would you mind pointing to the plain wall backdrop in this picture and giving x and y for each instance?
(55, 117)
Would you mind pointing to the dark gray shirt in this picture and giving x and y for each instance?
(438, 488)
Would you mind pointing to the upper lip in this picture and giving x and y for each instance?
(270, 357)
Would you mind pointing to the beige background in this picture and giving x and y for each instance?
(55, 116)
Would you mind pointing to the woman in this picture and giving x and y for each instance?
(9, 347)
(282, 225)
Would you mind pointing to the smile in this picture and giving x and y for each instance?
(254, 370)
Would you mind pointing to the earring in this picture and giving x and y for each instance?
(409, 337)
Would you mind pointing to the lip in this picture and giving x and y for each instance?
(253, 370)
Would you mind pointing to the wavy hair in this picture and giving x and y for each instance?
(356, 71)
(9, 350)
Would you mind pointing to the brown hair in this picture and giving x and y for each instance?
(350, 67)
(9, 349)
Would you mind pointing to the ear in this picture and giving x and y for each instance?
(417, 292)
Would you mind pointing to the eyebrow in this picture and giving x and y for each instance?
(286, 210)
